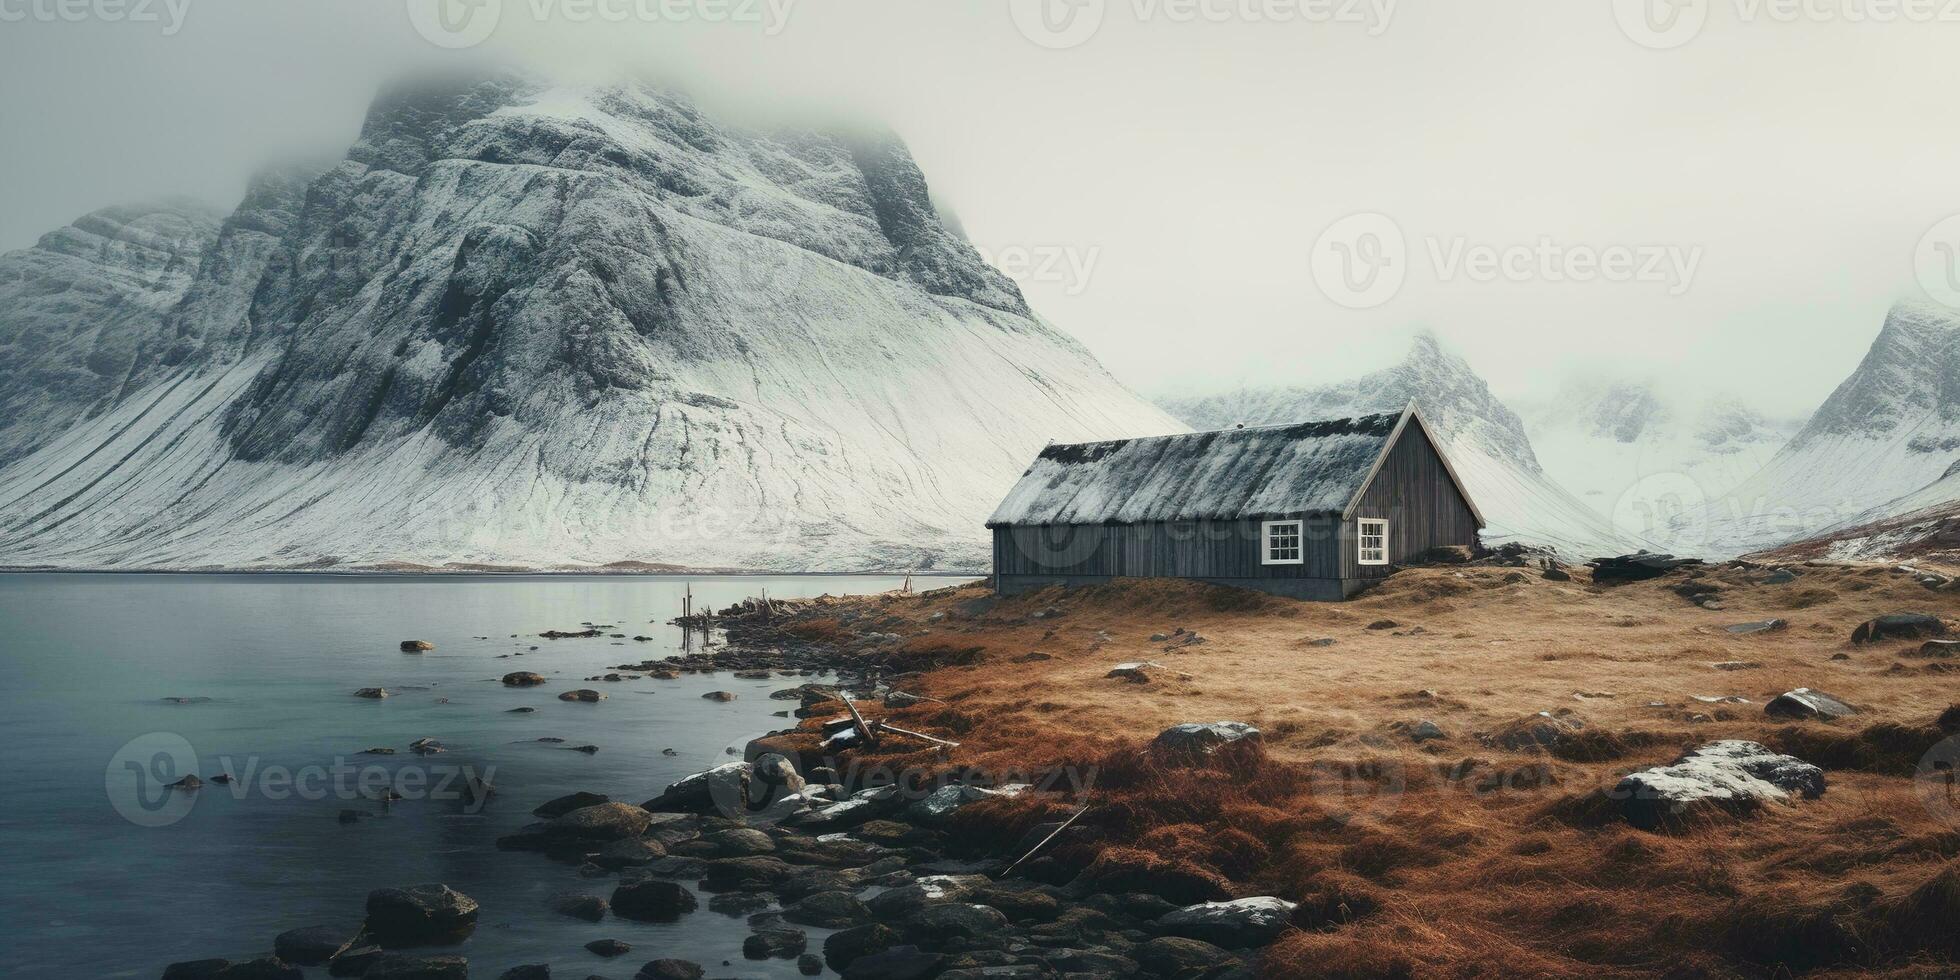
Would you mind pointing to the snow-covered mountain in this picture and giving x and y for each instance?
(1485, 441)
(76, 308)
(532, 325)
(1645, 457)
(1891, 429)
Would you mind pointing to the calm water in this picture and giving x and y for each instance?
(89, 660)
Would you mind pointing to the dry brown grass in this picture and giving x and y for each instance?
(1461, 857)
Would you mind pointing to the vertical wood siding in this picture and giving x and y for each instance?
(1412, 490)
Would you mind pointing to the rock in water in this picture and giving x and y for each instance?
(600, 822)
(419, 913)
(399, 966)
(311, 945)
(416, 646)
(1202, 738)
(1235, 924)
(502, 267)
(1806, 703)
(585, 695)
(1732, 777)
(567, 803)
(669, 970)
(652, 900)
(1899, 626)
(522, 678)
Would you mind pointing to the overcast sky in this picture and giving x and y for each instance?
(1738, 211)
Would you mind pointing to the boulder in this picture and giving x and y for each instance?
(416, 646)
(530, 971)
(1425, 730)
(863, 806)
(771, 778)
(827, 910)
(809, 964)
(739, 842)
(1898, 626)
(1941, 649)
(938, 806)
(419, 913)
(608, 948)
(311, 945)
(707, 791)
(1194, 738)
(398, 966)
(371, 693)
(652, 900)
(196, 969)
(843, 948)
(591, 908)
(635, 852)
(1637, 567)
(1136, 671)
(1731, 776)
(263, 968)
(1806, 703)
(893, 903)
(522, 678)
(745, 874)
(669, 970)
(583, 694)
(1237, 924)
(954, 920)
(721, 696)
(775, 944)
(601, 822)
(567, 803)
(1176, 956)
(896, 963)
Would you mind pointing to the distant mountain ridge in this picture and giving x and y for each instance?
(524, 324)
(1484, 439)
(1887, 432)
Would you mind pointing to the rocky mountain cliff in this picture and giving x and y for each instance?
(1891, 429)
(532, 325)
(1485, 440)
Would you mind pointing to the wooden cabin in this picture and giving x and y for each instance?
(1313, 510)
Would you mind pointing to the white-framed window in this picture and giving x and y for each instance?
(1371, 541)
(1282, 543)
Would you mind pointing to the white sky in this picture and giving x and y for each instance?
(1190, 165)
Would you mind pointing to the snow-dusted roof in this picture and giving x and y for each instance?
(1269, 471)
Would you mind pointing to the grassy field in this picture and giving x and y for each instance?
(1458, 856)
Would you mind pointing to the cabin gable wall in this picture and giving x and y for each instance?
(1414, 492)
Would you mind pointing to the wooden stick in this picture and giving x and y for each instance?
(864, 730)
(1044, 841)
(895, 730)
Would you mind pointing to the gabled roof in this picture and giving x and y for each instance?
(1231, 474)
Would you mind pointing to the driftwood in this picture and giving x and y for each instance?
(1057, 832)
(857, 721)
(895, 730)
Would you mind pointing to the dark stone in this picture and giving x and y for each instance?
(843, 948)
(939, 923)
(739, 904)
(827, 910)
(759, 873)
(566, 804)
(1899, 626)
(722, 696)
(608, 947)
(739, 842)
(533, 971)
(1175, 956)
(591, 908)
(809, 964)
(522, 678)
(196, 969)
(1637, 567)
(652, 900)
(777, 944)
(669, 970)
(1202, 739)
(583, 694)
(1806, 703)
(311, 945)
(397, 966)
(419, 913)
(355, 961)
(896, 963)
(635, 852)
(416, 646)
(1734, 777)
(601, 822)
